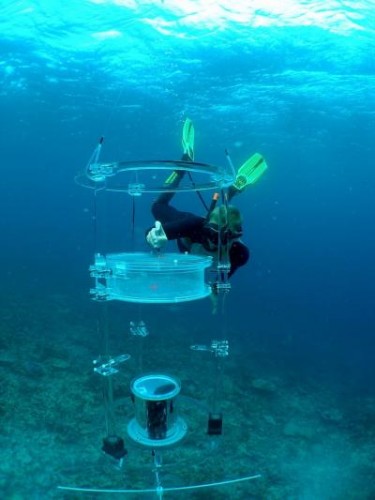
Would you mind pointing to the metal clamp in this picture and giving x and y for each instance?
(139, 329)
(109, 367)
(100, 293)
(98, 172)
(218, 347)
(99, 272)
(223, 287)
(200, 347)
(136, 189)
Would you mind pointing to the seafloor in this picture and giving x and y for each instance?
(310, 435)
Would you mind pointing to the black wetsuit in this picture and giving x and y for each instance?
(179, 225)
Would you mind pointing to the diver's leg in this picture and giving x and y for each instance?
(248, 174)
(173, 181)
(232, 191)
(170, 185)
(164, 213)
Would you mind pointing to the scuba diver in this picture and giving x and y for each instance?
(222, 226)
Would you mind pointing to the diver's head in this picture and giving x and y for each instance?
(224, 224)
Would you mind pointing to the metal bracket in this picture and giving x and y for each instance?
(98, 172)
(136, 189)
(100, 293)
(218, 347)
(110, 366)
(138, 329)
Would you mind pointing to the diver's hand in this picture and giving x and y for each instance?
(156, 237)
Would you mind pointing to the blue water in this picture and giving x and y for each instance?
(293, 80)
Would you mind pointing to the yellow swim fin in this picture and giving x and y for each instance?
(250, 172)
(172, 178)
(188, 138)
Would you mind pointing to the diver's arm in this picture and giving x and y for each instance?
(187, 227)
(184, 228)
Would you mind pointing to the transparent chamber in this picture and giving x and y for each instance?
(150, 278)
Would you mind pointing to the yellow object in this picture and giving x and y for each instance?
(250, 172)
(188, 138)
(171, 178)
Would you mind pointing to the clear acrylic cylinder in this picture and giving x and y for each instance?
(156, 422)
(150, 278)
